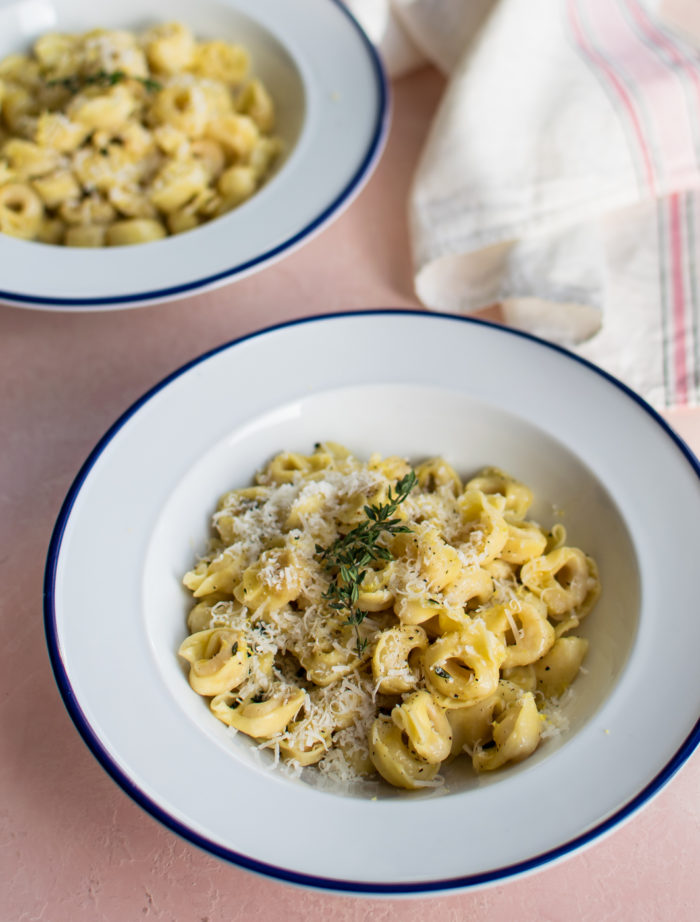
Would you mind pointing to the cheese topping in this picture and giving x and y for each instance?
(392, 619)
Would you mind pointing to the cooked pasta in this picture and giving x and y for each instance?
(111, 138)
(370, 618)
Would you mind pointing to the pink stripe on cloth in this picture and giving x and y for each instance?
(686, 68)
(658, 87)
(655, 88)
(687, 64)
(620, 92)
(678, 301)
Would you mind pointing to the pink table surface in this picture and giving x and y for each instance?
(73, 845)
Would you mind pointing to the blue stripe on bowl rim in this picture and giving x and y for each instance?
(344, 198)
(502, 874)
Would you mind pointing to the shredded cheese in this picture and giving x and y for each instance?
(277, 591)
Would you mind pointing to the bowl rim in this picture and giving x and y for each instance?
(342, 199)
(469, 881)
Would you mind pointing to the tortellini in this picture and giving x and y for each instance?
(461, 667)
(395, 663)
(394, 758)
(259, 719)
(112, 138)
(217, 658)
(445, 636)
(425, 726)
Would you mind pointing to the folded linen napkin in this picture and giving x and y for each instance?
(561, 175)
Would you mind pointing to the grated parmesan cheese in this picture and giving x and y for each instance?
(268, 540)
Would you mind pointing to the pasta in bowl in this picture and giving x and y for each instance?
(114, 137)
(375, 618)
(222, 133)
(552, 422)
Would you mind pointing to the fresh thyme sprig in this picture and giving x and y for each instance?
(349, 554)
(76, 82)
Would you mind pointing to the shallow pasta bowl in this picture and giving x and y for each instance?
(331, 100)
(417, 385)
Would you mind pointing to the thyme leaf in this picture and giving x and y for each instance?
(76, 82)
(350, 554)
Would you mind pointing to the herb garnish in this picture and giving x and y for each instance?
(350, 553)
(76, 82)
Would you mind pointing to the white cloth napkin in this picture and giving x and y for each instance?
(561, 175)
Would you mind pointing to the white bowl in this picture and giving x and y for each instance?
(395, 382)
(332, 103)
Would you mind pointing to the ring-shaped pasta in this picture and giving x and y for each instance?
(134, 230)
(463, 667)
(424, 722)
(375, 594)
(435, 474)
(241, 500)
(260, 719)
(333, 455)
(286, 467)
(472, 726)
(182, 106)
(221, 575)
(484, 530)
(272, 582)
(392, 666)
(176, 183)
(523, 627)
(558, 669)
(415, 610)
(309, 502)
(525, 541)
(565, 579)
(21, 210)
(218, 60)
(218, 660)
(438, 563)
(108, 110)
(324, 669)
(28, 160)
(393, 758)
(515, 735)
(472, 588)
(170, 47)
(301, 746)
(202, 616)
(235, 185)
(334, 654)
(233, 504)
(392, 467)
(255, 101)
(492, 480)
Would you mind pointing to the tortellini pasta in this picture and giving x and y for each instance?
(112, 138)
(447, 636)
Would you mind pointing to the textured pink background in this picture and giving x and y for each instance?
(73, 847)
